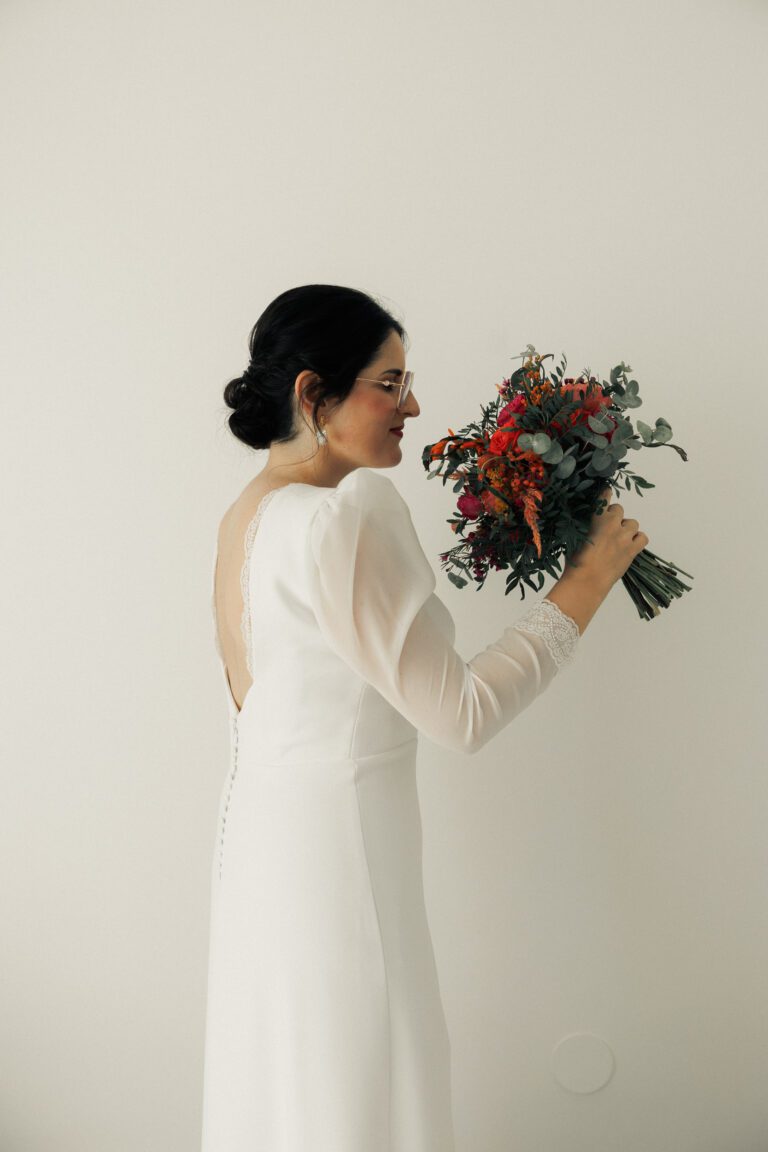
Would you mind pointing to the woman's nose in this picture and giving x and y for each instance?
(411, 406)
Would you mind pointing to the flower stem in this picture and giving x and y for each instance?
(653, 583)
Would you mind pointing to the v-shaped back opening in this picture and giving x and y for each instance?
(240, 635)
(239, 620)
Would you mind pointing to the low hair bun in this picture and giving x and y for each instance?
(254, 372)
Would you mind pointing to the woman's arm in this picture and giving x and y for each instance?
(579, 595)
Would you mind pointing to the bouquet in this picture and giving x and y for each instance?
(531, 473)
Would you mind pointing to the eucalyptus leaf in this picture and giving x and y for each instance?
(554, 454)
(459, 581)
(565, 468)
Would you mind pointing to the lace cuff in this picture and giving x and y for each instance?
(559, 632)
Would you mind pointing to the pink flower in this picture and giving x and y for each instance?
(516, 404)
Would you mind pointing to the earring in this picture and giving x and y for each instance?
(321, 436)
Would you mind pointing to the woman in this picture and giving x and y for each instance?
(325, 1028)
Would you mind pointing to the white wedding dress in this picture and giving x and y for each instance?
(325, 1029)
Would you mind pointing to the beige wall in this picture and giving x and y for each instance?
(590, 178)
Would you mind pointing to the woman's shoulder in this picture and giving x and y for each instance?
(360, 488)
(364, 509)
(367, 486)
(365, 504)
(365, 517)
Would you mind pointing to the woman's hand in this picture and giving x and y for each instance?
(611, 546)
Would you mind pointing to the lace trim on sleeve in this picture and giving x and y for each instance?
(559, 632)
(245, 579)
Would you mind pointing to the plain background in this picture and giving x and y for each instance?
(590, 178)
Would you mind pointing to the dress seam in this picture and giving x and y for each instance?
(358, 710)
(384, 966)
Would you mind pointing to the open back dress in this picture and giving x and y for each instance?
(325, 1029)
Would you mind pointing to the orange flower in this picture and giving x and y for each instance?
(503, 442)
(593, 401)
(492, 503)
(530, 496)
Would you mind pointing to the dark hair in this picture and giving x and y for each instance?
(330, 330)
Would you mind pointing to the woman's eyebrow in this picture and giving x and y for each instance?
(395, 371)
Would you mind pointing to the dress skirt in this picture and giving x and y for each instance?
(325, 1026)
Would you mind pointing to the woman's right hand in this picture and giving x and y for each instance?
(611, 546)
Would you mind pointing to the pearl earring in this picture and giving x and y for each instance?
(321, 436)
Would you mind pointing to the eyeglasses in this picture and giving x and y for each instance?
(405, 386)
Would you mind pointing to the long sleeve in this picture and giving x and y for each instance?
(372, 591)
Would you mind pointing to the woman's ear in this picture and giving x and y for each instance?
(304, 382)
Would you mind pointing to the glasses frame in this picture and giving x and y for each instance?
(405, 385)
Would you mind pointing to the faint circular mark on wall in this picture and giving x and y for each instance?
(582, 1062)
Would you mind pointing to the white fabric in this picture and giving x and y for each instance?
(325, 1028)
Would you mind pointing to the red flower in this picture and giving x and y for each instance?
(469, 505)
(502, 443)
(504, 440)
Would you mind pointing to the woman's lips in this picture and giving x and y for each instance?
(396, 431)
